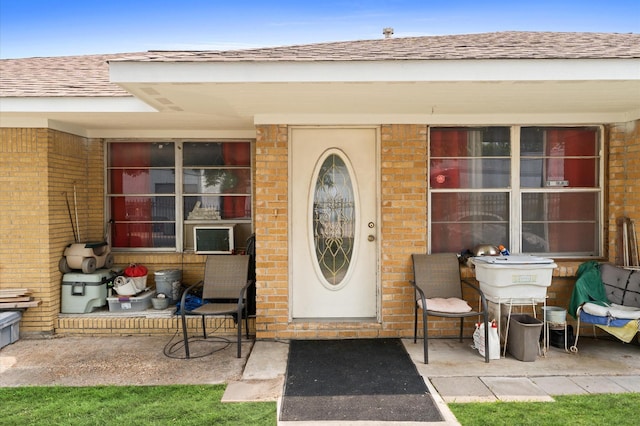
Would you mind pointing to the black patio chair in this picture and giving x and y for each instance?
(224, 292)
(438, 288)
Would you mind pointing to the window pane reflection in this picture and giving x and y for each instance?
(560, 222)
(460, 221)
(142, 181)
(476, 173)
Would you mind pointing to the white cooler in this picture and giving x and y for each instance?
(83, 293)
(515, 279)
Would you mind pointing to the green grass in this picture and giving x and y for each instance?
(200, 405)
(129, 405)
(574, 410)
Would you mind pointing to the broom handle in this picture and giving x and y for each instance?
(75, 207)
(73, 227)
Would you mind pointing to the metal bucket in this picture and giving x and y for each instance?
(555, 314)
(160, 302)
(165, 280)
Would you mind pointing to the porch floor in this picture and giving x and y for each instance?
(456, 372)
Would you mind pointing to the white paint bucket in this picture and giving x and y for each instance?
(555, 314)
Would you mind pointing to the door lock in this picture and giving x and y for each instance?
(371, 238)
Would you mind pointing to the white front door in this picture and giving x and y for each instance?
(334, 223)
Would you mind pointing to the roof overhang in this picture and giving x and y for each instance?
(411, 91)
(130, 72)
(192, 99)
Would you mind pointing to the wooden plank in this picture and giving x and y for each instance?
(625, 243)
(11, 295)
(633, 243)
(12, 291)
(15, 299)
(11, 305)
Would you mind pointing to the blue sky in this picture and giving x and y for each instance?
(54, 28)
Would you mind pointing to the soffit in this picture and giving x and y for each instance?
(240, 106)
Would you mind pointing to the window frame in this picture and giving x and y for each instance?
(179, 194)
(515, 191)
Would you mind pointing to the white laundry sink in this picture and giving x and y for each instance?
(514, 278)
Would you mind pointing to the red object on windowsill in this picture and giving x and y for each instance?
(134, 270)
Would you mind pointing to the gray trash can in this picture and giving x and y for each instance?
(524, 337)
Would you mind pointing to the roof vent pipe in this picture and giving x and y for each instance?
(388, 32)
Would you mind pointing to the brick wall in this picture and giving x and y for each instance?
(39, 167)
(24, 261)
(403, 231)
(623, 182)
(271, 222)
(90, 172)
(404, 221)
(91, 325)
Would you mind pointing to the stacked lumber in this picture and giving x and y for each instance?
(627, 244)
(16, 298)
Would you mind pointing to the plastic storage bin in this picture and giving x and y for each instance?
(517, 278)
(142, 302)
(83, 293)
(524, 337)
(9, 327)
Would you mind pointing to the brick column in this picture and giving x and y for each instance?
(622, 182)
(404, 220)
(272, 220)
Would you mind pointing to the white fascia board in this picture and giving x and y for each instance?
(74, 104)
(373, 71)
(447, 119)
(175, 133)
(42, 122)
(23, 122)
(68, 128)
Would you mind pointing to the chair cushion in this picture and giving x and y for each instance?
(216, 309)
(450, 305)
(612, 311)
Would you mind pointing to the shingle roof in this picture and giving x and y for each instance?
(500, 45)
(88, 75)
(66, 76)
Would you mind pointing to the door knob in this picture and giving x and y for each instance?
(371, 238)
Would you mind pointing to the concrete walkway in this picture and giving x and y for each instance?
(460, 375)
(456, 373)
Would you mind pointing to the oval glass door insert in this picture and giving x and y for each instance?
(333, 219)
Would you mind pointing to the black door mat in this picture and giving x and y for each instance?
(354, 379)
